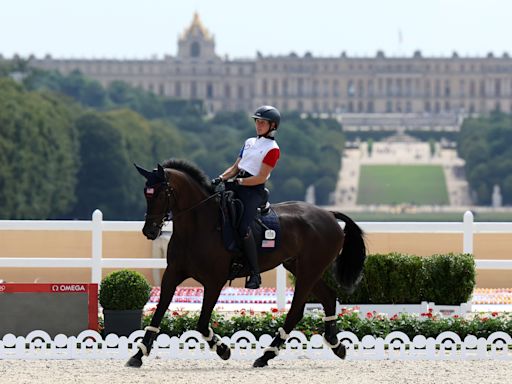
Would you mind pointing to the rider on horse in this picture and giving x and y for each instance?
(251, 170)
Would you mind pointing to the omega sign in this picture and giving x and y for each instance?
(68, 288)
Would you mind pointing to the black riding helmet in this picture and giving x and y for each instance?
(269, 113)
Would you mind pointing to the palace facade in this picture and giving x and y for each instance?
(344, 85)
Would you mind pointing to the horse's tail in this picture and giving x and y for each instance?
(350, 262)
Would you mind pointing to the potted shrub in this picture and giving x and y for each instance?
(123, 295)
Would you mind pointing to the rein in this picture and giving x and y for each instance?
(197, 205)
(169, 191)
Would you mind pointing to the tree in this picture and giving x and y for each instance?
(38, 154)
(104, 169)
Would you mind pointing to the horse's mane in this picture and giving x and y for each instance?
(192, 170)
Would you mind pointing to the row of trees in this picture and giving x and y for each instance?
(485, 144)
(67, 146)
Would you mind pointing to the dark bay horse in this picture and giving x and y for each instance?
(311, 240)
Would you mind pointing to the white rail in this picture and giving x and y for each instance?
(97, 226)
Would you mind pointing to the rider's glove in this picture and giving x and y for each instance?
(217, 181)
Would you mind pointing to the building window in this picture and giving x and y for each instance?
(438, 88)
(227, 92)
(497, 88)
(462, 88)
(371, 91)
(427, 106)
(195, 49)
(177, 89)
(209, 90)
(274, 87)
(193, 90)
(300, 87)
(482, 87)
(350, 89)
(264, 87)
(285, 87)
(240, 92)
(472, 89)
(447, 90)
(315, 87)
(408, 107)
(389, 106)
(335, 88)
(360, 88)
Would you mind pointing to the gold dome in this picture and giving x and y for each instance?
(196, 25)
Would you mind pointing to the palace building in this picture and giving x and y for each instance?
(340, 85)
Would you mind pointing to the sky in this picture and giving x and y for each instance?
(326, 28)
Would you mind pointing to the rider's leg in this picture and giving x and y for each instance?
(251, 253)
(251, 198)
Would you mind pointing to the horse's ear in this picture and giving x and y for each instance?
(160, 171)
(142, 171)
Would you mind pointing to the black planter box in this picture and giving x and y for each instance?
(122, 322)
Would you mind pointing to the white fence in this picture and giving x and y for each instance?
(97, 226)
(245, 346)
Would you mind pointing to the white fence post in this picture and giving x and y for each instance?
(97, 246)
(281, 287)
(468, 232)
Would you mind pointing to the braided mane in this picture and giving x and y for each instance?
(192, 170)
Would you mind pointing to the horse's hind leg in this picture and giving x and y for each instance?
(211, 295)
(170, 281)
(302, 290)
(327, 297)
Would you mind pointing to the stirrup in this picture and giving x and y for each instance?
(254, 281)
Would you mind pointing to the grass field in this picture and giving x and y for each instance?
(402, 184)
(426, 216)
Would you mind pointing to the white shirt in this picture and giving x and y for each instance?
(253, 153)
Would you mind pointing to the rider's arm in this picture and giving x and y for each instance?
(231, 171)
(260, 178)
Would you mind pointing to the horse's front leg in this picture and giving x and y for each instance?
(211, 295)
(170, 280)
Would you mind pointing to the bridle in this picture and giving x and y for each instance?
(171, 192)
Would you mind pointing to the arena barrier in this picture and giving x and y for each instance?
(38, 345)
(97, 261)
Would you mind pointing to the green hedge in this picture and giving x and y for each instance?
(394, 278)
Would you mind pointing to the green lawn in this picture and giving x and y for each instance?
(428, 217)
(402, 184)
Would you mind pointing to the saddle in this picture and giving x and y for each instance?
(265, 229)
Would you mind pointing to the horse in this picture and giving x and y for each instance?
(311, 241)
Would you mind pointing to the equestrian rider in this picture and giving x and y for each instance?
(251, 170)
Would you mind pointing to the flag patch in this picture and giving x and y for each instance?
(268, 244)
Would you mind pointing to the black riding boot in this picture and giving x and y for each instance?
(252, 256)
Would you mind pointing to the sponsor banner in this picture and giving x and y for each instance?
(45, 287)
(90, 289)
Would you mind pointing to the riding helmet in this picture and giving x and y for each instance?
(269, 113)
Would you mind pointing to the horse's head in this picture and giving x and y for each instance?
(158, 193)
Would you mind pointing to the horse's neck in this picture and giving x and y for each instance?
(199, 210)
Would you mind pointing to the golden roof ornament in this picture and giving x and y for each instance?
(196, 25)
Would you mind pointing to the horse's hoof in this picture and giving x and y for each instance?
(340, 351)
(134, 363)
(260, 363)
(223, 351)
